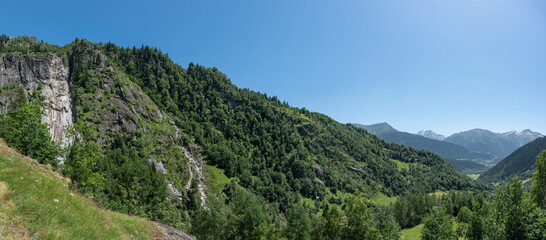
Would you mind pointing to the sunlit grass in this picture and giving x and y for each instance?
(37, 203)
(413, 233)
(401, 165)
(473, 176)
(383, 200)
(216, 180)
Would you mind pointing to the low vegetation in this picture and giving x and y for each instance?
(37, 203)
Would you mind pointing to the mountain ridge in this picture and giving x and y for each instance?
(521, 163)
(452, 153)
(488, 142)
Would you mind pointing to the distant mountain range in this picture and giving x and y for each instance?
(499, 145)
(449, 151)
(521, 163)
(431, 134)
(479, 145)
(522, 137)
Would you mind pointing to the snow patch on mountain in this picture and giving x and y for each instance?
(522, 137)
(431, 134)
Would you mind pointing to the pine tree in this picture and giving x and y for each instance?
(333, 224)
(538, 187)
(515, 212)
(299, 224)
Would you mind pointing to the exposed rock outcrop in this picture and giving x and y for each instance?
(170, 233)
(48, 73)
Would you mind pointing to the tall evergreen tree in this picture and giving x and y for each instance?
(298, 223)
(538, 187)
(360, 224)
(476, 228)
(333, 224)
(515, 212)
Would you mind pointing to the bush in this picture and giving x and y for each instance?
(437, 226)
(23, 130)
(465, 215)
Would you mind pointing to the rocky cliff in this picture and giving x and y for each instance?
(85, 86)
(48, 73)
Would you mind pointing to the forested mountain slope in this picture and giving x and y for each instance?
(521, 163)
(144, 124)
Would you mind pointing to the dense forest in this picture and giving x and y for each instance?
(273, 171)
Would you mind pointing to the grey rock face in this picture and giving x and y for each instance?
(49, 72)
(158, 165)
(171, 233)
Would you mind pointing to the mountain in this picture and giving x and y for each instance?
(445, 149)
(36, 203)
(378, 128)
(499, 145)
(521, 138)
(147, 137)
(431, 134)
(521, 163)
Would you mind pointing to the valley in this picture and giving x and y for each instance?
(149, 140)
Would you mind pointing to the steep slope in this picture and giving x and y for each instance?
(431, 134)
(80, 87)
(50, 75)
(146, 126)
(485, 142)
(521, 163)
(445, 149)
(36, 202)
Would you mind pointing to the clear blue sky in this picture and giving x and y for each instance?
(448, 66)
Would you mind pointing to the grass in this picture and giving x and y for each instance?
(412, 233)
(473, 176)
(216, 180)
(37, 203)
(383, 200)
(438, 194)
(401, 165)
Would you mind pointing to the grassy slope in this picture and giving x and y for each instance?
(36, 203)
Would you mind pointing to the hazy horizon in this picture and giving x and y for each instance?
(425, 65)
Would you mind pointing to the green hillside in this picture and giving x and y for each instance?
(146, 129)
(37, 203)
(521, 163)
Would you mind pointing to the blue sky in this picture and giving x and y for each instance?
(448, 66)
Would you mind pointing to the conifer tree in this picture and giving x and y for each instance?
(538, 187)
